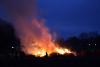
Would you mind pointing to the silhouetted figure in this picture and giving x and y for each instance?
(46, 54)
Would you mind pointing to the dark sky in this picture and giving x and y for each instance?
(69, 17)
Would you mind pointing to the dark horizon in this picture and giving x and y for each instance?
(86, 48)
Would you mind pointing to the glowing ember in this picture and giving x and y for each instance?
(41, 52)
(62, 51)
(38, 41)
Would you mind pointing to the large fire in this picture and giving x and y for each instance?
(41, 42)
(35, 37)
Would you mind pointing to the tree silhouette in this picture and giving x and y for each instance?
(9, 43)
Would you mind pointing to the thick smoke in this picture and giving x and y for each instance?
(21, 8)
(22, 13)
(34, 36)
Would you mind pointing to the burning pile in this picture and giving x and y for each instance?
(34, 36)
(41, 41)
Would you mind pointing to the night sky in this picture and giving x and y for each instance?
(69, 17)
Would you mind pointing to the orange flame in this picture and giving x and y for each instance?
(38, 41)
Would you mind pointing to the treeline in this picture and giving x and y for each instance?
(86, 42)
(9, 43)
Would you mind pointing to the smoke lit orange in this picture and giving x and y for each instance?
(38, 41)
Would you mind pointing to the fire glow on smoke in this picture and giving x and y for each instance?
(41, 42)
(34, 36)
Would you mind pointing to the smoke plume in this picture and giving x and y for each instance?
(22, 13)
(34, 36)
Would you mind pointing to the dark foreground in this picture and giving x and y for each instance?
(10, 44)
(57, 61)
